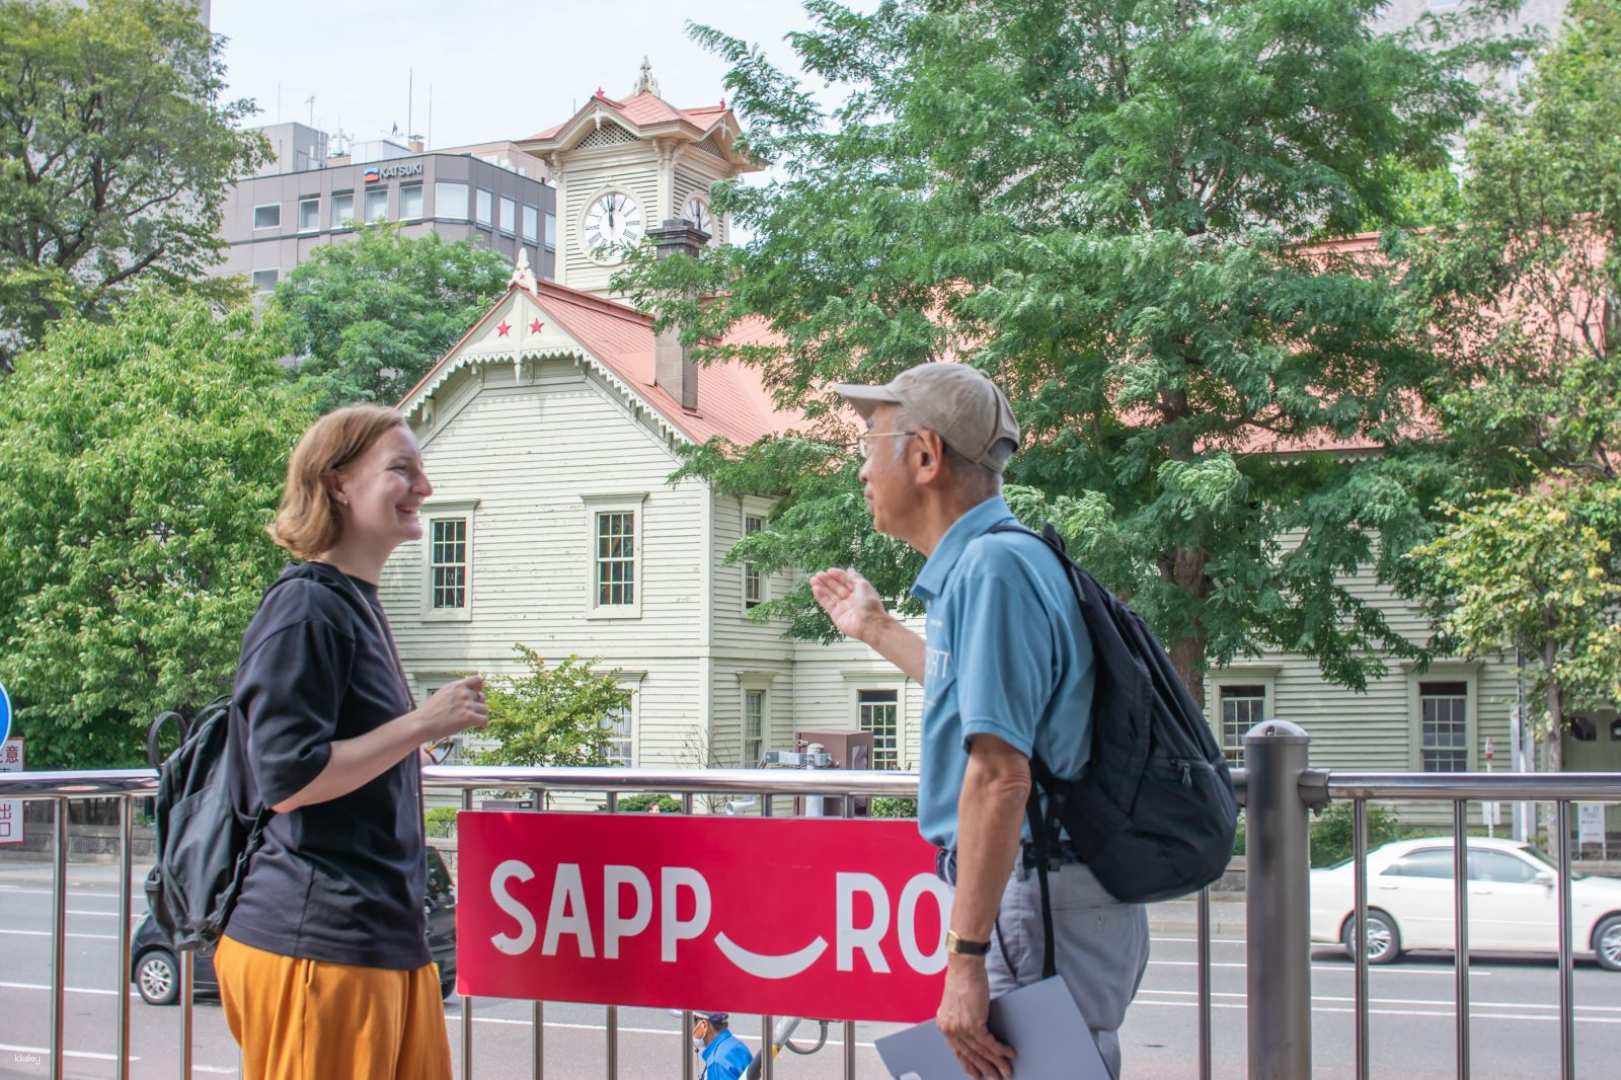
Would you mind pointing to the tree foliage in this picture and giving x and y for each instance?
(1522, 298)
(557, 715)
(1539, 572)
(115, 150)
(140, 460)
(1111, 207)
(369, 316)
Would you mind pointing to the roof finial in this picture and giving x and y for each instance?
(646, 83)
(522, 276)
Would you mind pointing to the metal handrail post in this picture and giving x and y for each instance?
(537, 1019)
(612, 1015)
(1460, 931)
(467, 1000)
(1206, 1064)
(1277, 881)
(687, 1056)
(59, 940)
(1567, 991)
(1359, 870)
(188, 1001)
(126, 856)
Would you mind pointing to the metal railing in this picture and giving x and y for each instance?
(1279, 788)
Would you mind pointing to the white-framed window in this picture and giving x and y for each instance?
(483, 212)
(1442, 705)
(621, 748)
(615, 530)
(376, 204)
(509, 215)
(754, 584)
(1443, 726)
(447, 551)
(265, 280)
(450, 200)
(309, 214)
(551, 231)
(1240, 706)
(531, 223)
(410, 202)
(756, 720)
(343, 209)
(267, 216)
(878, 712)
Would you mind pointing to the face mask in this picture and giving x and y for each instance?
(697, 1045)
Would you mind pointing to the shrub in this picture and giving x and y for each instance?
(645, 802)
(885, 807)
(1331, 832)
(440, 821)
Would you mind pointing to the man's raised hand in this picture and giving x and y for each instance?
(850, 601)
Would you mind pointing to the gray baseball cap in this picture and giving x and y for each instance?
(957, 402)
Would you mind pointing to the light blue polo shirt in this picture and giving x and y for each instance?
(1007, 655)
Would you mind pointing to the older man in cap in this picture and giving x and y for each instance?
(1007, 673)
(723, 1054)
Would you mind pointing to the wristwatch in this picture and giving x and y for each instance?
(963, 947)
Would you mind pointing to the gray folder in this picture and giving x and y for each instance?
(1041, 1022)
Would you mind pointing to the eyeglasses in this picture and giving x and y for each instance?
(867, 437)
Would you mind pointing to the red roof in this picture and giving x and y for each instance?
(733, 402)
(645, 110)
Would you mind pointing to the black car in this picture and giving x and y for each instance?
(156, 973)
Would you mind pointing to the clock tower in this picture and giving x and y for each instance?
(623, 167)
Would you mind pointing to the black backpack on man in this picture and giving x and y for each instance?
(1153, 816)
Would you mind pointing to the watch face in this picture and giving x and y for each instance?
(697, 212)
(613, 219)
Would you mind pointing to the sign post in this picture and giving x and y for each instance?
(1488, 808)
(1590, 827)
(827, 918)
(11, 760)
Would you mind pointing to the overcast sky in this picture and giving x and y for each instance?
(497, 70)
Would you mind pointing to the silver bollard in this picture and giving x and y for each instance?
(1278, 948)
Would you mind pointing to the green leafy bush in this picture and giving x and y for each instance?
(893, 808)
(645, 802)
(440, 821)
(1331, 832)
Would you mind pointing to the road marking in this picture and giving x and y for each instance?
(1314, 967)
(1406, 1001)
(47, 933)
(1443, 1014)
(71, 989)
(623, 1030)
(45, 1051)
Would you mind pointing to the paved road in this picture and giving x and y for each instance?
(1515, 1024)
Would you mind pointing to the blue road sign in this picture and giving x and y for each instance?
(5, 714)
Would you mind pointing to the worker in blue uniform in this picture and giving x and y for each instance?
(724, 1055)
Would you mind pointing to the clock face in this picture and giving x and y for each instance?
(614, 219)
(697, 212)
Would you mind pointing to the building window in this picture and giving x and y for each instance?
(551, 231)
(267, 216)
(753, 581)
(1444, 726)
(265, 280)
(1242, 707)
(376, 205)
(483, 215)
(509, 216)
(450, 200)
(753, 727)
(531, 223)
(447, 562)
(309, 214)
(618, 749)
(410, 202)
(343, 209)
(616, 558)
(878, 712)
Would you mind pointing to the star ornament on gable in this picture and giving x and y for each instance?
(535, 325)
(503, 329)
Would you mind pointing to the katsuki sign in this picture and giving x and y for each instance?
(827, 918)
(390, 172)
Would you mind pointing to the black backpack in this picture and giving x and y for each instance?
(1153, 816)
(203, 843)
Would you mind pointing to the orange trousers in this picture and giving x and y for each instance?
(313, 1020)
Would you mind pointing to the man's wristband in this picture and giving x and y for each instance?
(964, 947)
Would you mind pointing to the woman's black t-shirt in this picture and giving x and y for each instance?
(343, 880)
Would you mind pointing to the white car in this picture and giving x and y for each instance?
(1513, 905)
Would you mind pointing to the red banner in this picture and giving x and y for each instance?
(825, 918)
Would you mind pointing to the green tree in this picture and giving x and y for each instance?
(140, 461)
(115, 150)
(368, 317)
(1103, 204)
(1523, 297)
(557, 715)
(1537, 571)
